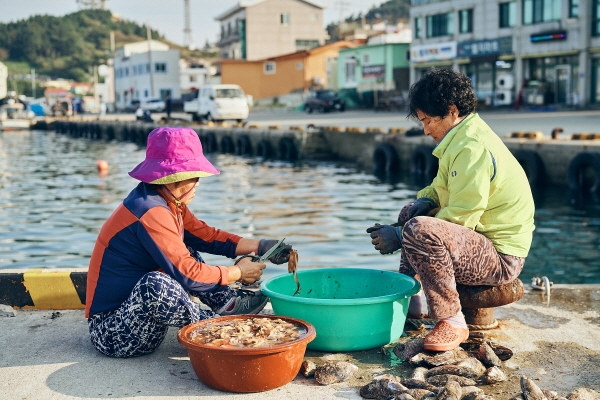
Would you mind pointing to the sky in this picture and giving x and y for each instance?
(167, 17)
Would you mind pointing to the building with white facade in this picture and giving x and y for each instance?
(3, 80)
(192, 75)
(534, 52)
(259, 29)
(145, 70)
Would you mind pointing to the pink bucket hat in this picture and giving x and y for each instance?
(173, 155)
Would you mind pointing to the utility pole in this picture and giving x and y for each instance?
(149, 35)
(341, 4)
(33, 82)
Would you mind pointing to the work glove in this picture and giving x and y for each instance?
(281, 257)
(386, 238)
(403, 215)
(422, 206)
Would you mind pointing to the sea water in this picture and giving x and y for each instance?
(53, 202)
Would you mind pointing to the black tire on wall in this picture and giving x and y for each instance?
(415, 131)
(264, 149)
(227, 146)
(243, 146)
(209, 142)
(532, 165)
(423, 164)
(287, 149)
(386, 160)
(577, 173)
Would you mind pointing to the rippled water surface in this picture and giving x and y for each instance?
(53, 202)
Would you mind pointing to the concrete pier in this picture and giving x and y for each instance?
(572, 160)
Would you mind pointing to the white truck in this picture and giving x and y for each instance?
(218, 103)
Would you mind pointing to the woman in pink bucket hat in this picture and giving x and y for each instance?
(146, 262)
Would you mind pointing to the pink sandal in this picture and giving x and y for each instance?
(445, 337)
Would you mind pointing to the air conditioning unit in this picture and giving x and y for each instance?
(503, 98)
(505, 82)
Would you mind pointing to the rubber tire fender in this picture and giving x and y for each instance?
(227, 146)
(423, 163)
(243, 146)
(532, 165)
(209, 142)
(386, 160)
(576, 167)
(287, 149)
(264, 149)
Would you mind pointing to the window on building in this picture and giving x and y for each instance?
(285, 18)
(164, 93)
(147, 68)
(146, 93)
(193, 78)
(596, 17)
(508, 14)
(536, 11)
(573, 8)
(314, 17)
(350, 71)
(418, 28)
(306, 44)
(440, 25)
(465, 21)
(299, 66)
(126, 71)
(160, 67)
(366, 59)
(269, 67)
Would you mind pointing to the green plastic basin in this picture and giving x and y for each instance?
(351, 308)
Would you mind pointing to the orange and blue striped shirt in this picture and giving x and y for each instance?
(145, 234)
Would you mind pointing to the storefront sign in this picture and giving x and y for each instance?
(489, 47)
(433, 52)
(373, 71)
(548, 36)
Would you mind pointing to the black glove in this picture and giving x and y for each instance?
(386, 238)
(281, 257)
(403, 215)
(422, 206)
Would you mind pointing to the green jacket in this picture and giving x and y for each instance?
(481, 186)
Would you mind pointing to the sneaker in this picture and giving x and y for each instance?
(244, 302)
(445, 337)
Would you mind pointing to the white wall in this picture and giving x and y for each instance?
(133, 81)
(3, 81)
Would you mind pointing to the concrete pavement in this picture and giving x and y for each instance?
(47, 355)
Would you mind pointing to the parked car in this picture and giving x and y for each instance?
(218, 103)
(153, 105)
(323, 101)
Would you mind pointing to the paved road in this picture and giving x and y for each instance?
(503, 122)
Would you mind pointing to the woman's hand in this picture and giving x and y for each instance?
(246, 271)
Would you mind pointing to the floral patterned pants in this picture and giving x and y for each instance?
(140, 324)
(444, 254)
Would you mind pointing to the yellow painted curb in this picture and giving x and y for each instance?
(51, 290)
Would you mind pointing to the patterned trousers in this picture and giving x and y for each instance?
(140, 324)
(444, 254)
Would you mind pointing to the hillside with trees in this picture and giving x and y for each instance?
(391, 11)
(69, 46)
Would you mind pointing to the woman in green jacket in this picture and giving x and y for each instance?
(473, 224)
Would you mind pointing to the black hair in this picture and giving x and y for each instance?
(437, 90)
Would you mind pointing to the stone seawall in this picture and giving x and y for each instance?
(574, 161)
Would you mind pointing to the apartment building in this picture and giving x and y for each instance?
(535, 52)
(145, 70)
(260, 29)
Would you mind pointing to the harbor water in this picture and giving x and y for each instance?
(53, 202)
